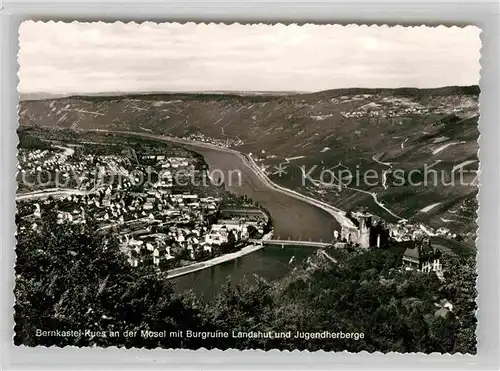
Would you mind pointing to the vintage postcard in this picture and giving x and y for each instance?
(292, 187)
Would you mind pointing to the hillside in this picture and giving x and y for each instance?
(356, 129)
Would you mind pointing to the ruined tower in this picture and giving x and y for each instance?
(365, 223)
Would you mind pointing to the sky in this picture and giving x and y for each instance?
(117, 57)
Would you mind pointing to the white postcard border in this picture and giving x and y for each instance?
(482, 14)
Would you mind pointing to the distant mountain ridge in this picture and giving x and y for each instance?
(473, 89)
(45, 96)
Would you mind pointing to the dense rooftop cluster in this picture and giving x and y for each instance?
(148, 201)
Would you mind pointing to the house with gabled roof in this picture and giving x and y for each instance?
(423, 256)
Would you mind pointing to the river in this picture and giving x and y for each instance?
(292, 219)
(270, 263)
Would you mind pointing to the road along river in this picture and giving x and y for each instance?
(292, 218)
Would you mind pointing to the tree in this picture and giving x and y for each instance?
(252, 231)
(460, 288)
(244, 308)
(229, 246)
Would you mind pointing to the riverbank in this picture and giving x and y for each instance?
(272, 263)
(177, 272)
(338, 214)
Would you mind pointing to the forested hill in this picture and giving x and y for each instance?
(80, 280)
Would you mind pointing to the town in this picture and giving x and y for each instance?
(161, 219)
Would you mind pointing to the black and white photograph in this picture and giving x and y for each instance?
(247, 186)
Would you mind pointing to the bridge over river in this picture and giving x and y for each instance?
(284, 243)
